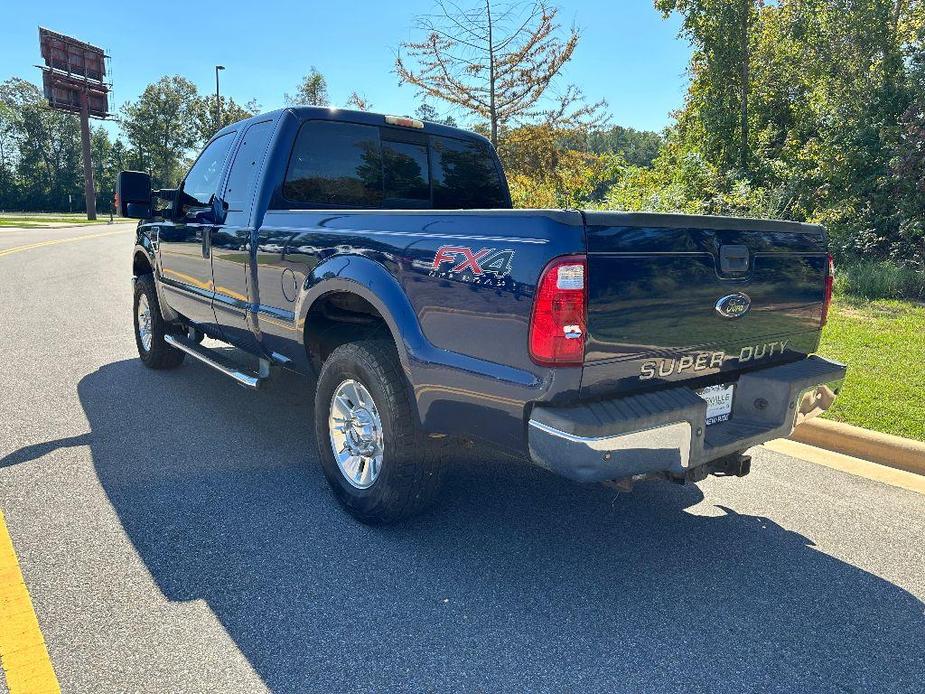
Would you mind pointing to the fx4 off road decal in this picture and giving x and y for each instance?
(487, 266)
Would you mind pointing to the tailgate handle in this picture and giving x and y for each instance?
(733, 259)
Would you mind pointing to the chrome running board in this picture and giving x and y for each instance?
(221, 364)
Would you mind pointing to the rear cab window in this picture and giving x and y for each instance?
(465, 175)
(239, 189)
(405, 171)
(334, 164)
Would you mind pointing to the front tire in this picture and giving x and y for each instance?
(150, 328)
(380, 466)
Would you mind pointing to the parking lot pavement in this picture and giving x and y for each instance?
(14, 240)
(176, 534)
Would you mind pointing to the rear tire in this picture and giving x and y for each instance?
(396, 471)
(150, 328)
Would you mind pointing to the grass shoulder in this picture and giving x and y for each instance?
(883, 343)
(48, 220)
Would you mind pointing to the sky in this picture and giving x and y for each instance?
(627, 54)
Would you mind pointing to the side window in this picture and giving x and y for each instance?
(239, 190)
(464, 175)
(406, 174)
(201, 183)
(335, 165)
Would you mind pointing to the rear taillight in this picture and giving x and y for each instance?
(559, 321)
(829, 283)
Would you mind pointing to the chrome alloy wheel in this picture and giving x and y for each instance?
(144, 323)
(356, 434)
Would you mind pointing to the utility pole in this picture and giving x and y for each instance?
(218, 100)
(89, 187)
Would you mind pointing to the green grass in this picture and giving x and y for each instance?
(44, 220)
(883, 344)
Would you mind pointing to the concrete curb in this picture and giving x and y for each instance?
(893, 451)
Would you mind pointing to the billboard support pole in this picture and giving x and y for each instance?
(89, 187)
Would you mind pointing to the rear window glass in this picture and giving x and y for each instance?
(346, 165)
(464, 175)
(335, 165)
(406, 174)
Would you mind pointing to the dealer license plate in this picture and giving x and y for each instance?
(719, 402)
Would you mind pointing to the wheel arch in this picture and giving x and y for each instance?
(359, 285)
(141, 262)
(372, 283)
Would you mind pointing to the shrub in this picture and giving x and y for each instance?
(879, 279)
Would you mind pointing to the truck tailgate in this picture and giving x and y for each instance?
(658, 286)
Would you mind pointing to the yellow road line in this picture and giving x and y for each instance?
(188, 279)
(54, 242)
(853, 466)
(208, 286)
(22, 647)
(278, 323)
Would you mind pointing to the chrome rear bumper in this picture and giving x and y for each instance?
(665, 432)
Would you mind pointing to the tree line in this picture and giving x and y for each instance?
(812, 110)
(558, 154)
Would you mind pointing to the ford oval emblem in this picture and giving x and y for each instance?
(733, 306)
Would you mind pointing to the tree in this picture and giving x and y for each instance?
(103, 173)
(42, 147)
(161, 127)
(495, 60)
(426, 112)
(8, 152)
(360, 103)
(543, 173)
(313, 91)
(232, 112)
(720, 31)
(638, 147)
(569, 111)
(109, 158)
(832, 128)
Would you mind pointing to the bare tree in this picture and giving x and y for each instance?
(569, 111)
(495, 59)
(359, 102)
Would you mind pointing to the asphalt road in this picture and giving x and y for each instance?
(176, 534)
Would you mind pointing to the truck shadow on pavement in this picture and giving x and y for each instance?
(516, 580)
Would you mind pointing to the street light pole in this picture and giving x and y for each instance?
(218, 100)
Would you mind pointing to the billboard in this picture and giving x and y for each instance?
(66, 54)
(64, 93)
(74, 80)
(73, 68)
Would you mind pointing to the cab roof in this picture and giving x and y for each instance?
(361, 117)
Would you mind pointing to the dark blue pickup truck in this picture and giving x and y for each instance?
(382, 255)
